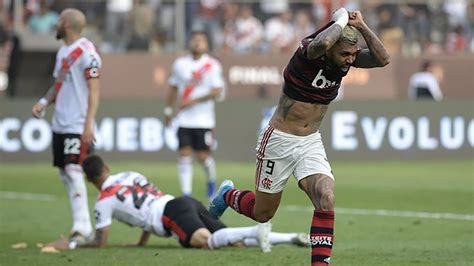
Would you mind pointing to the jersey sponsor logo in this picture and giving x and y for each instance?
(266, 183)
(321, 82)
(321, 241)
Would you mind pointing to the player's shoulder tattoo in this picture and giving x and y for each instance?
(284, 105)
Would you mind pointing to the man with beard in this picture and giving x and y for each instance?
(291, 143)
(75, 93)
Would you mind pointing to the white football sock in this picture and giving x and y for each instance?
(275, 239)
(210, 168)
(73, 178)
(185, 170)
(228, 236)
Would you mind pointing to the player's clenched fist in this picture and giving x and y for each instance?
(356, 20)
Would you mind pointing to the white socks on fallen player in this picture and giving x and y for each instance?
(210, 169)
(228, 236)
(275, 239)
(185, 170)
(73, 179)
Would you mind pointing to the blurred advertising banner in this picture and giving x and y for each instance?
(141, 75)
(352, 130)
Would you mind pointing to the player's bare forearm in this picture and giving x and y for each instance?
(211, 96)
(50, 94)
(93, 101)
(377, 49)
(100, 239)
(171, 97)
(324, 41)
(143, 239)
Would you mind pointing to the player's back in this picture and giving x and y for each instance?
(131, 199)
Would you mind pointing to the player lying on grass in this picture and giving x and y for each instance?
(131, 199)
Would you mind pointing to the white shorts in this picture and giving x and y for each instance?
(280, 155)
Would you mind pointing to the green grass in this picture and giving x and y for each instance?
(439, 186)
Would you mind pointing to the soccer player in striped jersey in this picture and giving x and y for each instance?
(131, 199)
(75, 94)
(196, 82)
(291, 143)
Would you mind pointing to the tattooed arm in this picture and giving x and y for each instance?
(376, 55)
(328, 37)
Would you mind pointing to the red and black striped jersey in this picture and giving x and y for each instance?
(311, 80)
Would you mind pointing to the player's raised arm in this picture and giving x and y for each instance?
(328, 37)
(376, 55)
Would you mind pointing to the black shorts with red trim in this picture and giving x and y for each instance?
(69, 149)
(184, 215)
(200, 139)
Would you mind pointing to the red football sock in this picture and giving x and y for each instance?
(322, 237)
(242, 201)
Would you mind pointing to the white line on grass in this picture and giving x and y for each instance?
(392, 213)
(26, 196)
(373, 212)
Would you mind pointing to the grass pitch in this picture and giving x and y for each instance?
(427, 189)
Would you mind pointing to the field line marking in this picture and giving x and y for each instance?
(26, 196)
(392, 213)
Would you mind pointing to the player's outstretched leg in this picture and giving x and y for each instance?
(218, 204)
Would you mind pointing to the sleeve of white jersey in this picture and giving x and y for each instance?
(103, 214)
(91, 64)
(173, 80)
(218, 82)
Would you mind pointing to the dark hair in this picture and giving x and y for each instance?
(426, 64)
(199, 31)
(93, 166)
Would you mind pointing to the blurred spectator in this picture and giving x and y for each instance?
(271, 8)
(207, 20)
(416, 26)
(116, 27)
(457, 12)
(10, 51)
(424, 85)
(142, 19)
(246, 34)
(44, 21)
(390, 32)
(279, 33)
(303, 26)
(456, 40)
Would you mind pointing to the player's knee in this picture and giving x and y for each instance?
(263, 216)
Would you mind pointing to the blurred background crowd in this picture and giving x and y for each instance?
(408, 28)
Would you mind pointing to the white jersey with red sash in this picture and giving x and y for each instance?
(194, 79)
(131, 199)
(75, 64)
